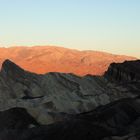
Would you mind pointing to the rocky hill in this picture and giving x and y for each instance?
(43, 59)
(89, 107)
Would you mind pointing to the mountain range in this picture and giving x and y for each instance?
(66, 106)
(44, 59)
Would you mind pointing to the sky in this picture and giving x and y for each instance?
(103, 25)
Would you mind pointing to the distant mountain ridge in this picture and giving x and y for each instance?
(44, 59)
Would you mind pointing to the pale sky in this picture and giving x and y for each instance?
(108, 25)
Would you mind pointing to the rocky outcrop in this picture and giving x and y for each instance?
(129, 71)
(125, 75)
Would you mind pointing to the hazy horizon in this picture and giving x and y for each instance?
(105, 25)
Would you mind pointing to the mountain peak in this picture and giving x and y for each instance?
(10, 68)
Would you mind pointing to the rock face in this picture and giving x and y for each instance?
(124, 72)
(89, 107)
(43, 59)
